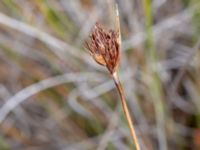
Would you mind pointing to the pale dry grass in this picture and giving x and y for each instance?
(51, 100)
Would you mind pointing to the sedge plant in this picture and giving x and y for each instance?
(105, 46)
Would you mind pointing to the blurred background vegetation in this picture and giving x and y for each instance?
(54, 96)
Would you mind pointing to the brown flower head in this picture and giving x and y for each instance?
(104, 46)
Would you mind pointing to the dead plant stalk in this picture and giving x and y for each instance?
(104, 46)
(126, 109)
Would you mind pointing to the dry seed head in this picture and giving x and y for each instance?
(104, 46)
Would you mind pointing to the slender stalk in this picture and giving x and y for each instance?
(126, 109)
(105, 47)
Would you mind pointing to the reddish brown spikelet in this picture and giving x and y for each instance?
(104, 46)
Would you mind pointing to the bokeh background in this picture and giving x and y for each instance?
(53, 95)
